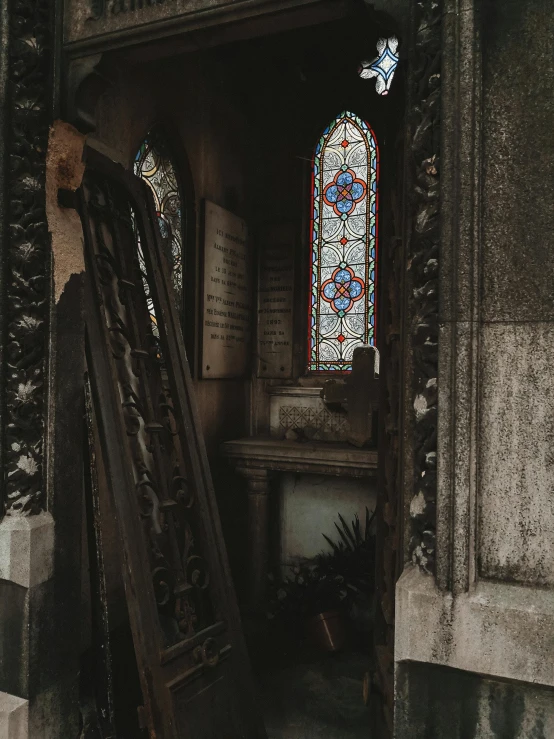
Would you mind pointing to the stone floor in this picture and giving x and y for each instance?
(304, 694)
(316, 699)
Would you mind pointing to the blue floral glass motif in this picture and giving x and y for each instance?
(383, 66)
(344, 243)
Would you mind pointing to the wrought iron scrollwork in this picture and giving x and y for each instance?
(207, 654)
(164, 586)
(164, 493)
(197, 573)
(168, 414)
(182, 490)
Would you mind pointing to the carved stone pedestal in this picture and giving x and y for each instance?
(26, 567)
(255, 458)
(14, 717)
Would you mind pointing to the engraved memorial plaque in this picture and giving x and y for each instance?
(226, 318)
(275, 299)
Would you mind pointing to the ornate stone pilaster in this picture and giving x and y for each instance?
(423, 267)
(39, 583)
(26, 81)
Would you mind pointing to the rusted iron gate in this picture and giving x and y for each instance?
(190, 651)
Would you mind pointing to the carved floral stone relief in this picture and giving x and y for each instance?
(27, 256)
(423, 266)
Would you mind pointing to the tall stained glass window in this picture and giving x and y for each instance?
(343, 243)
(153, 164)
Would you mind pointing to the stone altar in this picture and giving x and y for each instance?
(257, 458)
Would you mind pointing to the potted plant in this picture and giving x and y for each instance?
(319, 595)
(352, 557)
(312, 603)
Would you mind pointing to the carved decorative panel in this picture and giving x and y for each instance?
(302, 409)
(327, 425)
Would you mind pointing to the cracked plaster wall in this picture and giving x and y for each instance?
(64, 171)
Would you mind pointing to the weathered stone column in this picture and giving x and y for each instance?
(41, 369)
(475, 611)
(26, 564)
(257, 480)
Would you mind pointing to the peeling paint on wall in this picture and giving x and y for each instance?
(64, 171)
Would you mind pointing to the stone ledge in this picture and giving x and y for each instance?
(324, 458)
(27, 549)
(14, 717)
(496, 629)
(295, 391)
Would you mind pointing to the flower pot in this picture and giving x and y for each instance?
(327, 631)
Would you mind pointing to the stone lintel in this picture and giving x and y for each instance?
(14, 717)
(27, 549)
(496, 629)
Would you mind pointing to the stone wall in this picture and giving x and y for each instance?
(516, 430)
(436, 702)
(489, 609)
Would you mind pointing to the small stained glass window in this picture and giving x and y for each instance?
(153, 164)
(343, 243)
(383, 66)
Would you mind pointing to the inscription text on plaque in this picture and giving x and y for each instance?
(227, 308)
(275, 300)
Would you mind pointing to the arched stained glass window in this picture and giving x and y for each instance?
(153, 164)
(343, 243)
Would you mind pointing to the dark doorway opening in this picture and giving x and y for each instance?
(282, 90)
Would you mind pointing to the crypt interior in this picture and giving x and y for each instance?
(242, 134)
(276, 330)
